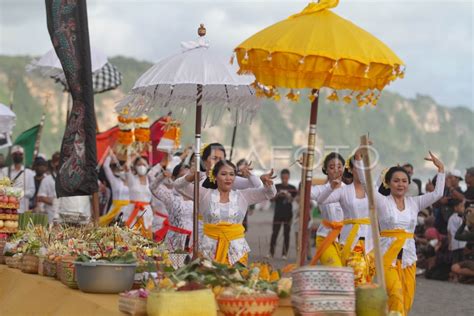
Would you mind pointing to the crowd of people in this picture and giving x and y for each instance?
(430, 233)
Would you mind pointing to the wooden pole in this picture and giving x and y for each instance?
(234, 132)
(302, 224)
(197, 175)
(374, 223)
(308, 168)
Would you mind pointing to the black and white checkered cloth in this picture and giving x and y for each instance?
(105, 79)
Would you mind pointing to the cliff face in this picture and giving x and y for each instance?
(402, 129)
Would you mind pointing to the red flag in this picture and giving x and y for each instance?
(105, 140)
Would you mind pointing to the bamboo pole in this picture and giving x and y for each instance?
(302, 224)
(374, 224)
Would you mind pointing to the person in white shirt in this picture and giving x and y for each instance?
(46, 198)
(21, 177)
(138, 214)
(120, 191)
(327, 245)
(456, 247)
(397, 216)
(177, 229)
(356, 234)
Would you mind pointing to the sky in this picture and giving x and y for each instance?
(434, 38)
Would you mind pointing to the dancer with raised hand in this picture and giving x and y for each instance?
(356, 234)
(178, 227)
(397, 216)
(327, 241)
(120, 193)
(223, 210)
(210, 155)
(138, 214)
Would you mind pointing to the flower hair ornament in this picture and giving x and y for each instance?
(347, 165)
(384, 180)
(203, 148)
(211, 177)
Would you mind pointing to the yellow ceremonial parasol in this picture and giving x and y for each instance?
(313, 49)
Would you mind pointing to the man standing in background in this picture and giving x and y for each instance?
(20, 177)
(414, 188)
(283, 213)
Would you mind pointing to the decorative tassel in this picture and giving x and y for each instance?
(333, 97)
(293, 96)
(277, 97)
(313, 96)
(347, 99)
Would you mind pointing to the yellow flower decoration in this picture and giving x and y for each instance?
(212, 179)
(384, 181)
(203, 147)
(347, 165)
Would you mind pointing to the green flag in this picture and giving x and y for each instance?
(27, 140)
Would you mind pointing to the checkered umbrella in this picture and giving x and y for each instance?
(106, 78)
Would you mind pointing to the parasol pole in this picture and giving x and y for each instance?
(40, 130)
(308, 171)
(197, 175)
(197, 161)
(364, 140)
(234, 132)
(301, 212)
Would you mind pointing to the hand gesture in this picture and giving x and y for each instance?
(246, 170)
(267, 179)
(435, 160)
(337, 182)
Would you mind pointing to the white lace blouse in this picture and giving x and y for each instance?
(331, 212)
(234, 211)
(390, 217)
(352, 208)
(180, 214)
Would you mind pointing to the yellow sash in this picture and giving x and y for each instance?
(116, 207)
(336, 228)
(356, 222)
(400, 236)
(223, 232)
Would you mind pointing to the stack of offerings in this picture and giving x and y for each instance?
(322, 290)
(9, 204)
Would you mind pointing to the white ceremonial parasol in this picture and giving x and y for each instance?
(7, 123)
(194, 78)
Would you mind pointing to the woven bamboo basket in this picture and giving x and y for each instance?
(135, 306)
(41, 265)
(49, 268)
(68, 273)
(2, 246)
(30, 264)
(13, 262)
